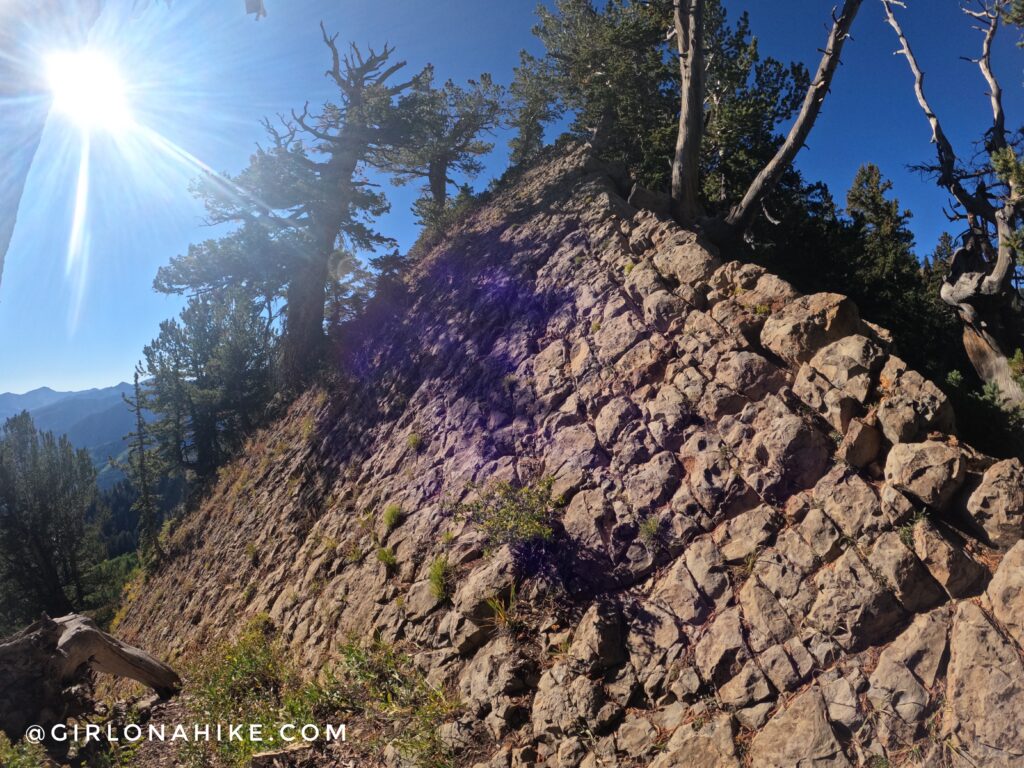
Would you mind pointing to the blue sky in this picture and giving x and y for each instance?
(202, 74)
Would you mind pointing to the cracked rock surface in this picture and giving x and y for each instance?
(761, 559)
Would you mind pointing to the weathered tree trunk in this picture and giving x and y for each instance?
(46, 671)
(980, 289)
(986, 308)
(688, 16)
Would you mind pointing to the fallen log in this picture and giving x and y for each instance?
(47, 671)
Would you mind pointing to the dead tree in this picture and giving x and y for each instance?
(688, 17)
(47, 669)
(688, 22)
(979, 281)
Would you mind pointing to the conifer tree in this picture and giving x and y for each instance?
(140, 471)
(442, 135)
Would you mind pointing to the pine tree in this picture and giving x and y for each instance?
(47, 543)
(146, 502)
(308, 193)
(442, 136)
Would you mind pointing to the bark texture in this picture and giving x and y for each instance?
(46, 671)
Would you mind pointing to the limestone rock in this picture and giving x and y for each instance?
(908, 668)
(985, 692)
(701, 745)
(686, 263)
(861, 444)
(930, 472)
(807, 324)
(912, 406)
(1006, 592)
(851, 605)
(944, 557)
(493, 578)
(913, 585)
(799, 736)
(998, 503)
(598, 641)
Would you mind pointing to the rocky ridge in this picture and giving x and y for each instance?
(774, 550)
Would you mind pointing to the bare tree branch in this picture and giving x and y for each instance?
(948, 177)
(742, 215)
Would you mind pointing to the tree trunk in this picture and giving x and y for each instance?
(984, 299)
(688, 16)
(437, 175)
(304, 323)
(45, 671)
(742, 215)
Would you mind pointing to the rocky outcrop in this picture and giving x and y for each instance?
(762, 553)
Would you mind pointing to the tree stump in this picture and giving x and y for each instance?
(47, 671)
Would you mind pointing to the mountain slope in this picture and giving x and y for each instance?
(769, 528)
(94, 419)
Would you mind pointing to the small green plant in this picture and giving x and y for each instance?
(385, 688)
(329, 544)
(386, 557)
(595, 326)
(513, 515)
(414, 442)
(1017, 366)
(447, 537)
(353, 553)
(252, 554)
(505, 613)
(650, 530)
(762, 310)
(441, 577)
(392, 517)
(21, 755)
(629, 267)
(248, 593)
(906, 531)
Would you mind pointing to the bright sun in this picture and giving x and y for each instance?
(88, 89)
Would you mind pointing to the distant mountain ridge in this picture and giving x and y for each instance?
(94, 419)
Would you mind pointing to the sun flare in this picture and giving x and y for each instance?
(88, 90)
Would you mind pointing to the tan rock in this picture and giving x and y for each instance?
(805, 325)
(799, 736)
(931, 472)
(998, 503)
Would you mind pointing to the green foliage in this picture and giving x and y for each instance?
(253, 681)
(650, 530)
(613, 69)
(414, 442)
(383, 685)
(1017, 366)
(392, 517)
(107, 580)
(48, 544)
(505, 615)
(302, 211)
(513, 515)
(984, 419)
(441, 576)
(207, 380)
(386, 557)
(22, 754)
(608, 69)
(442, 127)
